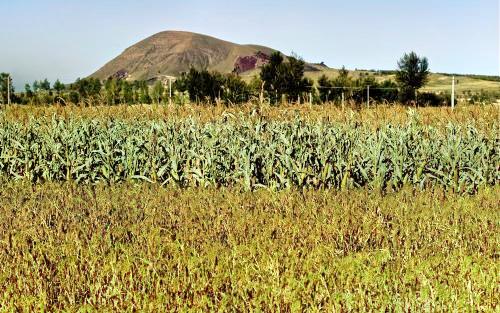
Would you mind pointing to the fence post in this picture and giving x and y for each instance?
(343, 98)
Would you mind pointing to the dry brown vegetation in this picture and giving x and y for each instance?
(146, 248)
(480, 116)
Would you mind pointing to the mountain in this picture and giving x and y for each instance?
(174, 52)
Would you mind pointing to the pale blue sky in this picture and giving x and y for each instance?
(67, 39)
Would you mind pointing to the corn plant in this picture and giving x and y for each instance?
(250, 153)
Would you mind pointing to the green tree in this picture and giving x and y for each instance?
(297, 83)
(343, 77)
(255, 86)
(205, 86)
(235, 89)
(412, 74)
(126, 92)
(36, 86)
(202, 86)
(388, 91)
(342, 83)
(28, 92)
(284, 77)
(111, 91)
(45, 85)
(157, 92)
(324, 88)
(272, 74)
(143, 92)
(27, 89)
(88, 88)
(59, 87)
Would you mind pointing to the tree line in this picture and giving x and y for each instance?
(281, 80)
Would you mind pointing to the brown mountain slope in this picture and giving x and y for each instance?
(174, 52)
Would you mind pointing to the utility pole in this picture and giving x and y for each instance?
(368, 96)
(8, 89)
(170, 91)
(453, 93)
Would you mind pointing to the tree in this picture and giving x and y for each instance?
(111, 90)
(28, 91)
(412, 74)
(205, 86)
(297, 84)
(157, 92)
(324, 88)
(284, 78)
(45, 85)
(343, 75)
(88, 88)
(36, 86)
(143, 92)
(58, 87)
(270, 76)
(201, 85)
(388, 91)
(126, 92)
(235, 89)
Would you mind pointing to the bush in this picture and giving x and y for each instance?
(434, 100)
(211, 87)
(74, 97)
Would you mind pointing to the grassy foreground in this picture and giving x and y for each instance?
(141, 247)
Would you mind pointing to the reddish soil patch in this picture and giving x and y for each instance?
(250, 62)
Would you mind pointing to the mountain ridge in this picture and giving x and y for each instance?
(173, 52)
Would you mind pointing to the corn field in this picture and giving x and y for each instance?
(166, 209)
(252, 154)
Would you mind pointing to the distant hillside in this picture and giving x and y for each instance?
(174, 52)
(438, 82)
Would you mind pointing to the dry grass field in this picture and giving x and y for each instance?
(141, 247)
(482, 116)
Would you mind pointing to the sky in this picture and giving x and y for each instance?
(67, 39)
